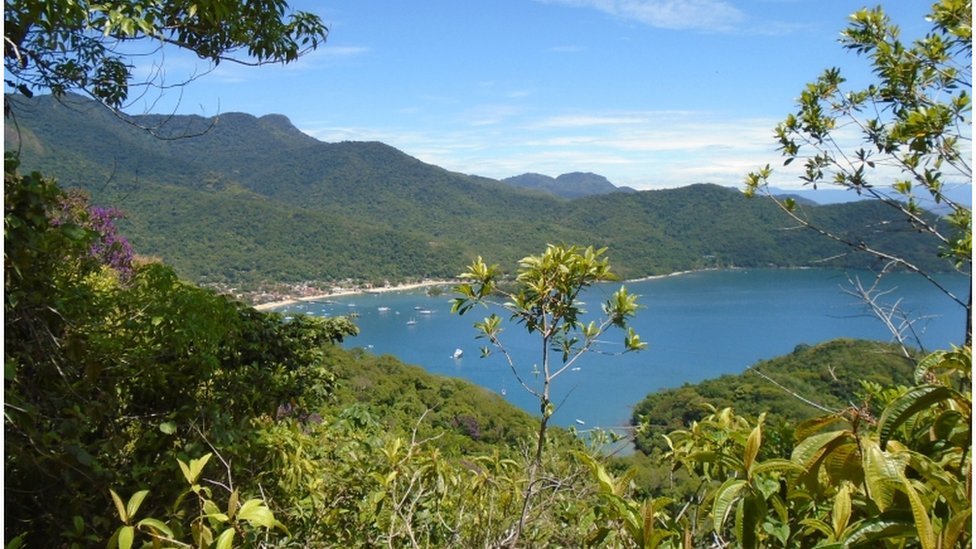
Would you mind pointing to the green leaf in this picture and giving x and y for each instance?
(127, 535)
(192, 471)
(776, 465)
(809, 450)
(902, 408)
(725, 496)
(752, 448)
(167, 427)
(119, 506)
(882, 473)
(955, 527)
(926, 535)
(257, 513)
(842, 510)
(225, 540)
(134, 502)
(157, 525)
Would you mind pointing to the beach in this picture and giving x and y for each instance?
(355, 291)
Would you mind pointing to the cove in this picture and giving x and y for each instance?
(697, 325)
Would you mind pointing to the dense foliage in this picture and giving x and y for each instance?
(142, 409)
(62, 46)
(254, 199)
(914, 124)
(812, 379)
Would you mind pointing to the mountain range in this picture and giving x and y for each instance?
(244, 199)
(567, 185)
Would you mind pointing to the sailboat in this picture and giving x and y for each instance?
(458, 353)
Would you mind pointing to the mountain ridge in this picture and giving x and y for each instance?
(568, 185)
(253, 199)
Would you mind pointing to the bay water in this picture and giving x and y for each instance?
(697, 325)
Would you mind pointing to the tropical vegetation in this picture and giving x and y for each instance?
(141, 409)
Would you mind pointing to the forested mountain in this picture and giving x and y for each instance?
(244, 199)
(567, 185)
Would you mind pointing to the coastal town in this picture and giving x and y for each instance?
(268, 295)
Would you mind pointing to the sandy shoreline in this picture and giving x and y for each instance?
(417, 285)
(355, 291)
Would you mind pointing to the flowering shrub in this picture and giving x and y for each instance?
(107, 246)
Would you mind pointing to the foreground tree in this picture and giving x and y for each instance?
(546, 302)
(112, 367)
(915, 130)
(87, 47)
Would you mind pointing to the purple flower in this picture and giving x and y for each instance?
(107, 247)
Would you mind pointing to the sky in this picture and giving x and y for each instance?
(648, 93)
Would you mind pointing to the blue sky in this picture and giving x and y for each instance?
(649, 93)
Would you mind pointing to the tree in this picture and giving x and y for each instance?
(84, 46)
(546, 302)
(915, 128)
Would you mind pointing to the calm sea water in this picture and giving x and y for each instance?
(697, 326)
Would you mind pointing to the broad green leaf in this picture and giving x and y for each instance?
(883, 527)
(776, 465)
(926, 534)
(955, 527)
(126, 536)
(907, 405)
(225, 540)
(842, 510)
(119, 506)
(134, 502)
(817, 525)
(192, 471)
(752, 448)
(167, 427)
(725, 497)
(883, 473)
(233, 503)
(941, 481)
(928, 363)
(156, 524)
(810, 452)
(257, 513)
(808, 427)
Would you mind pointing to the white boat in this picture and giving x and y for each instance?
(458, 353)
(425, 311)
(382, 309)
(581, 422)
(411, 322)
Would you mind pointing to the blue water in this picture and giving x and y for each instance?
(697, 326)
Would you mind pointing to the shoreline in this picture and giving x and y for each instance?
(353, 291)
(428, 283)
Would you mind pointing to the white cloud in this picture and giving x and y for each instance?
(711, 15)
(639, 149)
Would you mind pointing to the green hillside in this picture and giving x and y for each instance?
(829, 374)
(241, 199)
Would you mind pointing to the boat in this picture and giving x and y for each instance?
(411, 322)
(458, 353)
(383, 309)
(425, 311)
(581, 422)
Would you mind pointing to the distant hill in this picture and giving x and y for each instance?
(252, 199)
(568, 185)
(961, 193)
